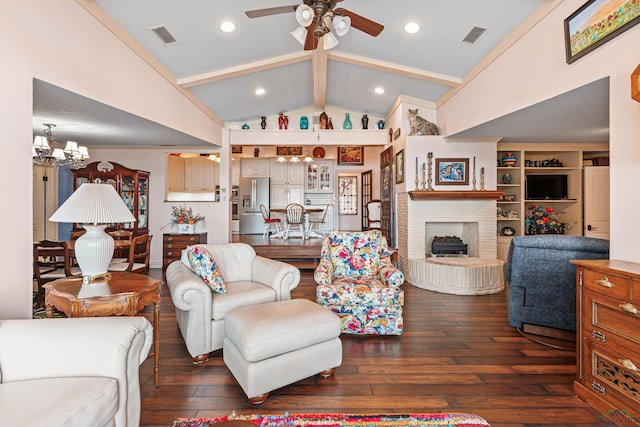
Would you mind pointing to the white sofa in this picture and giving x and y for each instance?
(250, 279)
(72, 372)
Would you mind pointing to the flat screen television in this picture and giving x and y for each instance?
(546, 187)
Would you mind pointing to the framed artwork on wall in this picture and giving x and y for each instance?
(597, 22)
(289, 151)
(400, 167)
(350, 155)
(347, 195)
(236, 149)
(452, 171)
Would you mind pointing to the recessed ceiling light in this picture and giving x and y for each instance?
(412, 28)
(379, 90)
(260, 91)
(227, 26)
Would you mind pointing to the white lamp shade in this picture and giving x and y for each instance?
(329, 41)
(84, 152)
(40, 142)
(300, 34)
(58, 154)
(341, 24)
(93, 204)
(71, 147)
(304, 15)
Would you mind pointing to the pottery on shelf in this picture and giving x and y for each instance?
(365, 121)
(324, 119)
(304, 123)
(256, 152)
(245, 126)
(380, 124)
(509, 160)
(286, 122)
(280, 121)
(263, 122)
(329, 124)
(347, 125)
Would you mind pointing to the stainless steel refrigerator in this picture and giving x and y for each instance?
(253, 193)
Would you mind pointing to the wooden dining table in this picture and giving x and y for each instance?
(305, 212)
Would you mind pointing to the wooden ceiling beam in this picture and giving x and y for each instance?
(319, 61)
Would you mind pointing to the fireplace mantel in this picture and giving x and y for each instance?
(455, 195)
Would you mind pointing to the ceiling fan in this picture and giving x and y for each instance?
(317, 18)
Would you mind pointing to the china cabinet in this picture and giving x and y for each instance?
(319, 177)
(131, 184)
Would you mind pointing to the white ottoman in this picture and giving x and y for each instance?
(268, 346)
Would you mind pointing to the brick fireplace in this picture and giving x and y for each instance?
(468, 215)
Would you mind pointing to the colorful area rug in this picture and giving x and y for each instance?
(339, 420)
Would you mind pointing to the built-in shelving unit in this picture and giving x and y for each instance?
(541, 159)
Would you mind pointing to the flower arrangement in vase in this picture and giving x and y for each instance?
(185, 218)
(541, 220)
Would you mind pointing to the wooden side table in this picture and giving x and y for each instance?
(124, 294)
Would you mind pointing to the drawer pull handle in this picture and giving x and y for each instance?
(169, 245)
(597, 387)
(599, 336)
(629, 308)
(605, 282)
(169, 238)
(628, 364)
(192, 238)
(169, 253)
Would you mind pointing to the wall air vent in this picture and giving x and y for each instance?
(474, 35)
(164, 35)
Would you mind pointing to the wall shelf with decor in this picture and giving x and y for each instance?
(542, 165)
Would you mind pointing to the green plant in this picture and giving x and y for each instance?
(182, 215)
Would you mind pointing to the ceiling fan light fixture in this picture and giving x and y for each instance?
(304, 15)
(329, 41)
(300, 34)
(341, 24)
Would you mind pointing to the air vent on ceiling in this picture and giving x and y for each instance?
(474, 35)
(164, 35)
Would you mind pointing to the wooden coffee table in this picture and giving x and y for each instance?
(124, 294)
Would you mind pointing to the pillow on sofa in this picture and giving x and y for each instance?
(202, 263)
(354, 254)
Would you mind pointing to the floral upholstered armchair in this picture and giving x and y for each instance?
(358, 282)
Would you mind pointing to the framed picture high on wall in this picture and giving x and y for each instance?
(452, 171)
(597, 22)
(400, 167)
(350, 155)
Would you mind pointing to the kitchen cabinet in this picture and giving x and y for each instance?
(200, 175)
(174, 243)
(235, 172)
(283, 194)
(131, 184)
(319, 177)
(175, 173)
(608, 337)
(291, 173)
(255, 167)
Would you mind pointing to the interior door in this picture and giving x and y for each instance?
(386, 195)
(596, 201)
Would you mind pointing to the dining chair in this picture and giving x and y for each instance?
(319, 220)
(121, 234)
(268, 222)
(373, 214)
(51, 261)
(138, 260)
(294, 216)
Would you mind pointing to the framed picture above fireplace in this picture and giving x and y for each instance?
(451, 171)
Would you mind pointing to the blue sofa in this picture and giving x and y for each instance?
(541, 281)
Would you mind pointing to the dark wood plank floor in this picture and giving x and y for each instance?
(457, 354)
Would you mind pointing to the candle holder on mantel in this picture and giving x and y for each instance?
(430, 169)
(424, 179)
(473, 181)
(482, 180)
(417, 181)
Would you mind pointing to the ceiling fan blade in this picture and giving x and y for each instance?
(311, 42)
(258, 13)
(363, 24)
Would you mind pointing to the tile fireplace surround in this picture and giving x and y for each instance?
(419, 219)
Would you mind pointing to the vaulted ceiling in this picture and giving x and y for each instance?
(224, 69)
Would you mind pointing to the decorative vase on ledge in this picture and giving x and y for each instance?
(509, 160)
(347, 125)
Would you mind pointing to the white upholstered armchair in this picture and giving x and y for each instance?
(72, 371)
(234, 276)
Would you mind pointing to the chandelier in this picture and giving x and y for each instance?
(325, 18)
(45, 151)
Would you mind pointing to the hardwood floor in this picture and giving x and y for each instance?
(457, 354)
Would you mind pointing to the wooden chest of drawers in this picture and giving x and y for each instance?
(608, 338)
(173, 244)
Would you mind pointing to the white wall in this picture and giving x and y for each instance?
(535, 69)
(60, 43)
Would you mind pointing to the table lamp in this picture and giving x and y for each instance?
(94, 206)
